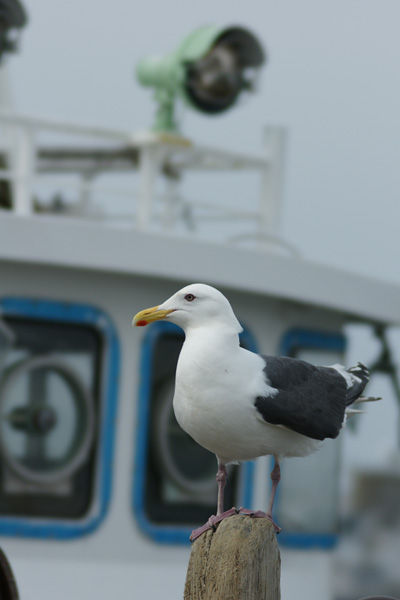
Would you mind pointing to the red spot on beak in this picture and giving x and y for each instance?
(141, 323)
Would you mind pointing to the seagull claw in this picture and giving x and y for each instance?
(199, 531)
(259, 514)
(212, 523)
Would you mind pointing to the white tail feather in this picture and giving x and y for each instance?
(366, 399)
(350, 412)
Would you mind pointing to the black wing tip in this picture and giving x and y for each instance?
(359, 370)
(361, 377)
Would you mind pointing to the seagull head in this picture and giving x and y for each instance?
(194, 306)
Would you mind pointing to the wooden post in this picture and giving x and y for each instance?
(239, 561)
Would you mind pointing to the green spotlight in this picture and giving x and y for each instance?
(209, 70)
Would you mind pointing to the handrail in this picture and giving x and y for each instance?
(152, 155)
(58, 126)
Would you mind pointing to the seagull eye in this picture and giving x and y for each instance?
(190, 297)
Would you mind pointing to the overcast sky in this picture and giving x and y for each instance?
(333, 80)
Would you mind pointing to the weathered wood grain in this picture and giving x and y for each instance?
(240, 561)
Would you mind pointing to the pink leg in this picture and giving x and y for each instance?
(214, 519)
(276, 477)
(221, 482)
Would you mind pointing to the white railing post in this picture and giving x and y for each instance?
(85, 192)
(271, 183)
(149, 166)
(23, 160)
(171, 200)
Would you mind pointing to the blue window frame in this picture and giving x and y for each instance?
(161, 523)
(90, 339)
(313, 521)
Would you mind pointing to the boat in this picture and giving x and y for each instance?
(97, 492)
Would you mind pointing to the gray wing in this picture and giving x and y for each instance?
(311, 400)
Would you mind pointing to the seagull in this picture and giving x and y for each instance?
(241, 405)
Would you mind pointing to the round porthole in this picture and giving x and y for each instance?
(47, 420)
(187, 465)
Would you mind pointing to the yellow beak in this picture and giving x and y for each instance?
(149, 315)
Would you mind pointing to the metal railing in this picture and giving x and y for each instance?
(86, 152)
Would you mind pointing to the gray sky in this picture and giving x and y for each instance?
(333, 80)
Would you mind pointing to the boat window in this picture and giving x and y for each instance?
(307, 499)
(52, 400)
(175, 487)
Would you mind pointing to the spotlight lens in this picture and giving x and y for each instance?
(214, 81)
